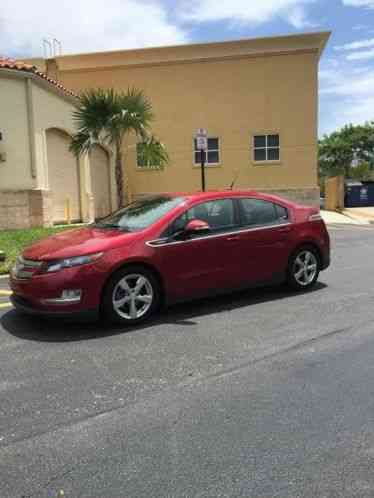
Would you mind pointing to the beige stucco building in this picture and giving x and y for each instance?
(40, 179)
(257, 98)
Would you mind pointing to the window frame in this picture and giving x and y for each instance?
(266, 148)
(207, 164)
(275, 223)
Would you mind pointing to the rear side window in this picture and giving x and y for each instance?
(256, 212)
(282, 212)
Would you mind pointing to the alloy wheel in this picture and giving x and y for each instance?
(305, 268)
(132, 296)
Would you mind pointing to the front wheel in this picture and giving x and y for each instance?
(303, 269)
(131, 296)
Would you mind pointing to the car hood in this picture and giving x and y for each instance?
(78, 242)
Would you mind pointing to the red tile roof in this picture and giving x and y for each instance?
(7, 63)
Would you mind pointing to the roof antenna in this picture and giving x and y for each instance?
(234, 180)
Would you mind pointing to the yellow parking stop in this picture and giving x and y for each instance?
(5, 305)
(5, 292)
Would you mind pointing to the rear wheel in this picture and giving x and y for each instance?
(303, 269)
(131, 295)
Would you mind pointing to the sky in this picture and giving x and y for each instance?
(346, 67)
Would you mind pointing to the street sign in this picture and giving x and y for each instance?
(201, 138)
(201, 143)
(201, 132)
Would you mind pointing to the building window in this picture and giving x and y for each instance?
(211, 155)
(142, 160)
(266, 148)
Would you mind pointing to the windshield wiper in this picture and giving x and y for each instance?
(107, 225)
(113, 225)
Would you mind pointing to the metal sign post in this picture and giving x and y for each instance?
(202, 152)
(201, 138)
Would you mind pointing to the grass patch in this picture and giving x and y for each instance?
(12, 242)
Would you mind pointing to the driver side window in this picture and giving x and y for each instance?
(219, 214)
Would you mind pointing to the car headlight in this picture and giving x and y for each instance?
(57, 265)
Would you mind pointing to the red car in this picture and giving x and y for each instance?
(168, 248)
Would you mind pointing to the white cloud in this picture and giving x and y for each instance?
(347, 97)
(356, 45)
(85, 25)
(360, 27)
(328, 76)
(360, 111)
(297, 17)
(359, 3)
(364, 55)
(248, 11)
(351, 85)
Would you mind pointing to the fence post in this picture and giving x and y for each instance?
(334, 193)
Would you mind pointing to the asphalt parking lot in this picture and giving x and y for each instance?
(265, 393)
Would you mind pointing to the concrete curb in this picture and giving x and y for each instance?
(356, 219)
(334, 217)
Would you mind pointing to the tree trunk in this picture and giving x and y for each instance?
(347, 170)
(119, 174)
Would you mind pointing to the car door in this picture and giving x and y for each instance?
(199, 265)
(264, 240)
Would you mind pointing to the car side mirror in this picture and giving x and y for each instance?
(195, 227)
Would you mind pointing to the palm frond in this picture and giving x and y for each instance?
(152, 153)
(138, 113)
(106, 116)
(95, 108)
(81, 143)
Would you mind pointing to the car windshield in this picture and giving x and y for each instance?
(140, 214)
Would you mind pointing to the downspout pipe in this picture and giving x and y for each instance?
(31, 126)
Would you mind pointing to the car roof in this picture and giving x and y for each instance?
(193, 197)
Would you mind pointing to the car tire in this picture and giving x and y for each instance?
(303, 268)
(131, 296)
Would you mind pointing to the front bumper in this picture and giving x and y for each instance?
(23, 305)
(44, 293)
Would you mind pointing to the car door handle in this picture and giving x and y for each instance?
(233, 238)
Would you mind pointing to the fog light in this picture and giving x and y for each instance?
(68, 296)
(71, 294)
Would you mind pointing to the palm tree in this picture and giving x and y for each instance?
(106, 117)
(152, 153)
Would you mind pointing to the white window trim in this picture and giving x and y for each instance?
(208, 165)
(266, 148)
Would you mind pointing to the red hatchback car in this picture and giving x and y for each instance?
(171, 247)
